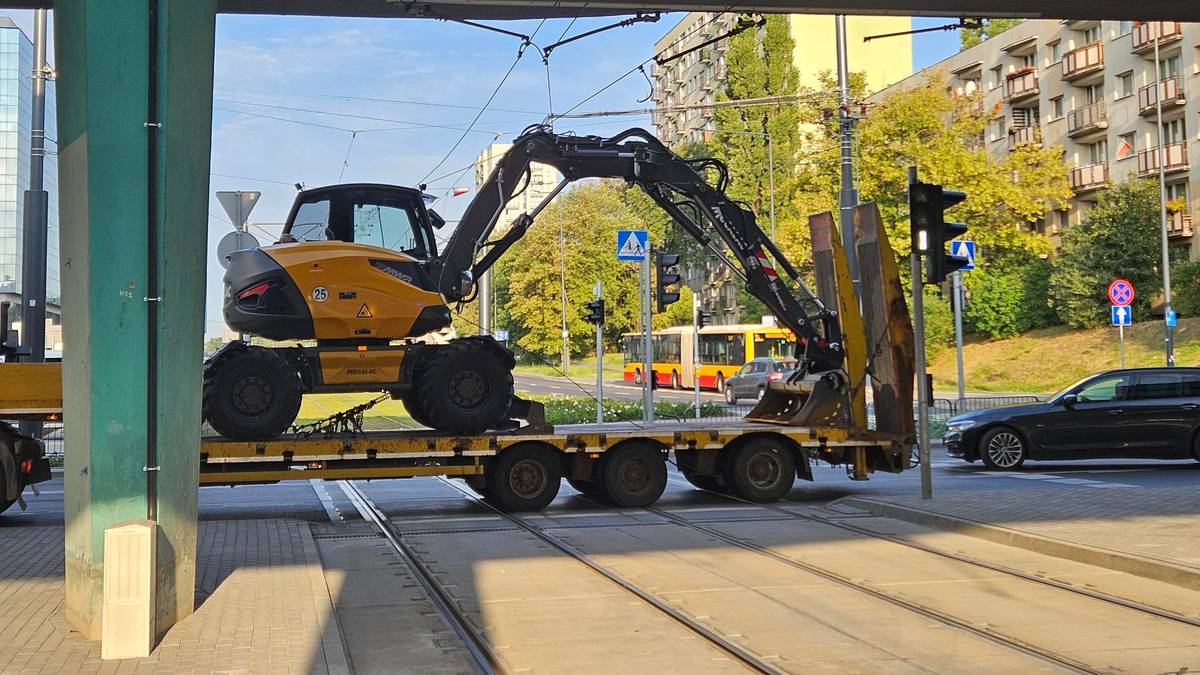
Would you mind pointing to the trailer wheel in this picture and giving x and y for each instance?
(464, 389)
(477, 483)
(525, 477)
(588, 488)
(634, 474)
(760, 470)
(251, 393)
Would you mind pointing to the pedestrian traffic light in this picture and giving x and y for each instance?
(595, 312)
(703, 318)
(667, 276)
(931, 232)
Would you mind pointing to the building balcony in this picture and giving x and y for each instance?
(1089, 177)
(1020, 85)
(1144, 33)
(1179, 224)
(1083, 61)
(1087, 119)
(1176, 159)
(1024, 136)
(1171, 89)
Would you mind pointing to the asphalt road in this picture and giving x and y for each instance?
(548, 385)
(313, 501)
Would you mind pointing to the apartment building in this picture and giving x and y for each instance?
(542, 180)
(1093, 88)
(695, 78)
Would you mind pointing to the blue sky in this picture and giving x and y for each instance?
(291, 91)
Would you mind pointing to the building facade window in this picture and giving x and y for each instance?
(1124, 28)
(1096, 153)
(998, 129)
(1168, 67)
(1127, 145)
(1093, 93)
(1174, 131)
(1055, 50)
(1029, 60)
(1089, 35)
(1125, 84)
(996, 77)
(1056, 108)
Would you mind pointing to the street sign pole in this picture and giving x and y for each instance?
(647, 347)
(599, 363)
(1121, 342)
(919, 335)
(958, 331)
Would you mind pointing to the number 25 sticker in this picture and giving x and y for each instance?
(320, 294)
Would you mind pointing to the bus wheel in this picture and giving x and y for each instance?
(761, 470)
(721, 383)
(634, 474)
(675, 380)
(637, 376)
(525, 477)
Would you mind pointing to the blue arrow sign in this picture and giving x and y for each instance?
(961, 248)
(1122, 315)
(632, 244)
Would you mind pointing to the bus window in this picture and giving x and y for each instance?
(633, 349)
(773, 347)
(722, 350)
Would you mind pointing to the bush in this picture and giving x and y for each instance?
(939, 323)
(1004, 304)
(582, 410)
(1185, 288)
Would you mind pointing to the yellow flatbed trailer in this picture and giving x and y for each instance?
(623, 462)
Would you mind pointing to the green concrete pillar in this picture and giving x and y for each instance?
(103, 68)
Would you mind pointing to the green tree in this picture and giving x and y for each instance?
(941, 135)
(1185, 287)
(969, 37)
(587, 217)
(1006, 302)
(677, 313)
(1117, 238)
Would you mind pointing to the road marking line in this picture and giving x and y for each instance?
(331, 509)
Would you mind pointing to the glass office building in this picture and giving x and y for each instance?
(16, 116)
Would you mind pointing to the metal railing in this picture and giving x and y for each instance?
(1171, 90)
(1090, 117)
(1176, 159)
(1144, 33)
(1179, 224)
(1089, 176)
(1031, 135)
(1083, 60)
(1020, 84)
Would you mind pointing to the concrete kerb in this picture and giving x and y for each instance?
(1121, 562)
(332, 641)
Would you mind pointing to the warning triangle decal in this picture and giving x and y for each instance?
(364, 312)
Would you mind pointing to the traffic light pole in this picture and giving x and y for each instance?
(647, 347)
(958, 331)
(918, 303)
(599, 362)
(696, 351)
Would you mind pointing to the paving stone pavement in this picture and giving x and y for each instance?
(258, 583)
(1159, 523)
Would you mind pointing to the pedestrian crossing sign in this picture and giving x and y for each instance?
(632, 244)
(963, 248)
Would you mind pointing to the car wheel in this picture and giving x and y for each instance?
(730, 398)
(721, 382)
(762, 391)
(1002, 449)
(637, 376)
(675, 380)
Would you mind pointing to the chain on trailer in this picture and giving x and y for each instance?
(349, 421)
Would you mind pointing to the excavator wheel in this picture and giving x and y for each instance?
(250, 394)
(464, 388)
(413, 405)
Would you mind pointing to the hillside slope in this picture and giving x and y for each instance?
(1047, 360)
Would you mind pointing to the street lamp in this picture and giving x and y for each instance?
(770, 162)
(1162, 200)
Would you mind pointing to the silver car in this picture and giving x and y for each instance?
(751, 381)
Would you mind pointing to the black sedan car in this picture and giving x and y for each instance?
(1145, 413)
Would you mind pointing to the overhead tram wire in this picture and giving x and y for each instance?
(371, 99)
(643, 64)
(520, 53)
(332, 113)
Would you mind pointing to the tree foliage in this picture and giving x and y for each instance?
(1185, 287)
(588, 218)
(1006, 302)
(1118, 238)
(969, 37)
(941, 135)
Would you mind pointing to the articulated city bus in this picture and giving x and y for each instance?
(723, 350)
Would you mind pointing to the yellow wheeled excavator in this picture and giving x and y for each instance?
(360, 279)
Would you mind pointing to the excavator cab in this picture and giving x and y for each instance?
(387, 216)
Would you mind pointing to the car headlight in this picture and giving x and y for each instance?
(960, 426)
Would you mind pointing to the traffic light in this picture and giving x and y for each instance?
(595, 312)
(931, 232)
(703, 318)
(667, 276)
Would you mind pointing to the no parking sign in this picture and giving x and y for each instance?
(1120, 292)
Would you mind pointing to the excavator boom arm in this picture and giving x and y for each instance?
(680, 188)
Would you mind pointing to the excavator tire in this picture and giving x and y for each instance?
(464, 388)
(413, 405)
(250, 394)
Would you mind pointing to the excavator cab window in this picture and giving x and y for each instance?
(386, 216)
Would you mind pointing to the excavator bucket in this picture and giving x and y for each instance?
(834, 398)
